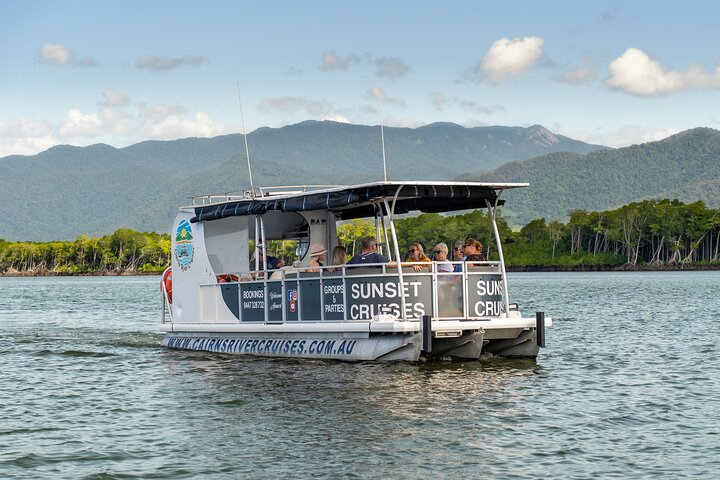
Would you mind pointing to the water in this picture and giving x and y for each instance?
(628, 387)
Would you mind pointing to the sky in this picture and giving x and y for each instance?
(122, 72)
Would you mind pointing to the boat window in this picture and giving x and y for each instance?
(301, 237)
(287, 236)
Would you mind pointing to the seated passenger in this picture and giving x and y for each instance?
(473, 251)
(339, 257)
(440, 256)
(283, 272)
(317, 257)
(368, 253)
(417, 254)
(273, 263)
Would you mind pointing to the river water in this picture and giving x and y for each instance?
(628, 387)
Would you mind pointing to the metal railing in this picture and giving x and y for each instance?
(258, 192)
(351, 293)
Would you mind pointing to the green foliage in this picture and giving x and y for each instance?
(123, 251)
(653, 232)
(351, 233)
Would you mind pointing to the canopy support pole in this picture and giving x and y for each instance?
(491, 210)
(257, 244)
(390, 212)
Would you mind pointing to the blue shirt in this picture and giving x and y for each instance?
(371, 257)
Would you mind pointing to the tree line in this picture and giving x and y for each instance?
(651, 233)
(124, 251)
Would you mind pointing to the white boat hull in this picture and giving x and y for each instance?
(328, 346)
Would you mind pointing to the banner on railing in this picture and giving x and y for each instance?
(362, 298)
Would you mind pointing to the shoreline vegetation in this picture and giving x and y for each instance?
(653, 235)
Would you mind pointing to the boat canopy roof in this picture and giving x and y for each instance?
(358, 201)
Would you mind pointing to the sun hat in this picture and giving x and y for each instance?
(317, 249)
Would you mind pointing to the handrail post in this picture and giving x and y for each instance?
(397, 253)
(491, 211)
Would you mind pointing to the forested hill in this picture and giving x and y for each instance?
(685, 166)
(67, 191)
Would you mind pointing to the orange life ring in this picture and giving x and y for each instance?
(167, 281)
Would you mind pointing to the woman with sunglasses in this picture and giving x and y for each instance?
(417, 254)
(440, 256)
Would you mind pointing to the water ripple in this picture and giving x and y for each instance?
(629, 387)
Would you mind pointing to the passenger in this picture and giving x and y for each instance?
(473, 250)
(317, 257)
(417, 254)
(458, 255)
(273, 263)
(339, 257)
(368, 253)
(440, 256)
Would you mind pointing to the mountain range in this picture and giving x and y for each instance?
(67, 191)
(685, 166)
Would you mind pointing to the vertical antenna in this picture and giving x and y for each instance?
(382, 133)
(247, 152)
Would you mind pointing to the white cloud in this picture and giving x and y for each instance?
(334, 117)
(507, 58)
(623, 136)
(162, 64)
(636, 73)
(331, 61)
(390, 67)
(113, 97)
(117, 121)
(26, 127)
(77, 124)
(160, 111)
(54, 54)
(61, 56)
(25, 136)
(201, 125)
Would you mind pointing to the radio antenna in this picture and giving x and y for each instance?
(247, 151)
(382, 134)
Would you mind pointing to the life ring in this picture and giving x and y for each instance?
(227, 277)
(167, 281)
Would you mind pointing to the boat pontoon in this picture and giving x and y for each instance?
(217, 298)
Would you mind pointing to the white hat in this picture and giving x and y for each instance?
(317, 249)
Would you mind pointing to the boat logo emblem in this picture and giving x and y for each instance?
(184, 245)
